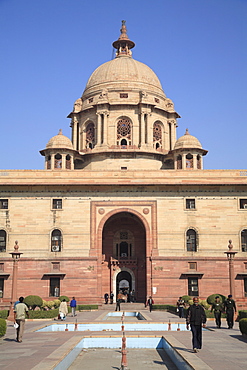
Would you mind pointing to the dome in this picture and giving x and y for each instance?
(187, 141)
(59, 141)
(124, 69)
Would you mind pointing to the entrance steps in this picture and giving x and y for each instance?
(124, 306)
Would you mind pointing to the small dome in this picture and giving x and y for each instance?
(59, 141)
(187, 141)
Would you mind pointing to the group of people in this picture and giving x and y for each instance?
(128, 297)
(196, 317)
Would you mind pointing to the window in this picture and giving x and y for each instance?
(56, 240)
(179, 162)
(189, 161)
(4, 203)
(58, 161)
(123, 95)
(245, 287)
(54, 287)
(190, 203)
(48, 162)
(157, 135)
(244, 240)
(68, 162)
(191, 240)
(193, 287)
(243, 203)
(124, 131)
(3, 238)
(90, 136)
(1, 287)
(57, 204)
(192, 266)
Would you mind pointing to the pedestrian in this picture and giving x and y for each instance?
(217, 308)
(118, 301)
(150, 303)
(230, 307)
(111, 297)
(106, 296)
(196, 318)
(19, 316)
(63, 310)
(180, 307)
(73, 306)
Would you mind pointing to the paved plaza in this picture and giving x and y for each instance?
(222, 348)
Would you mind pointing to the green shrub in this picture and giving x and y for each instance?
(3, 327)
(33, 301)
(186, 298)
(64, 297)
(211, 298)
(4, 314)
(50, 314)
(88, 307)
(242, 314)
(243, 326)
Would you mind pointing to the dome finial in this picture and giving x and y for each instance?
(60, 132)
(123, 44)
(187, 132)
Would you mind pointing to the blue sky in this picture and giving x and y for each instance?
(49, 48)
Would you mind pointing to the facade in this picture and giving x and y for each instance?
(124, 204)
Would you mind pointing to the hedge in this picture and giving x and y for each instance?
(4, 314)
(242, 314)
(3, 327)
(243, 326)
(83, 307)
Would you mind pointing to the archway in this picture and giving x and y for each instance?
(124, 250)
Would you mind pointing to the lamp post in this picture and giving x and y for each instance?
(230, 256)
(15, 256)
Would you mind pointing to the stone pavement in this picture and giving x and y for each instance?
(222, 348)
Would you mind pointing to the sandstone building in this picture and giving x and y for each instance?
(124, 203)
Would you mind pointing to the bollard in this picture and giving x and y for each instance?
(124, 354)
(66, 329)
(169, 325)
(178, 328)
(76, 325)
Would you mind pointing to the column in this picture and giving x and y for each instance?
(142, 128)
(74, 133)
(98, 129)
(105, 128)
(183, 161)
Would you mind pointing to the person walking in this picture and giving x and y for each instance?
(106, 296)
(230, 307)
(180, 306)
(217, 308)
(73, 306)
(196, 319)
(118, 301)
(63, 310)
(150, 303)
(19, 316)
(111, 297)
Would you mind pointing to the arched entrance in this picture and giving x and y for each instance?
(124, 250)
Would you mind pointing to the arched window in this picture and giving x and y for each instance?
(56, 240)
(58, 161)
(90, 136)
(244, 240)
(124, 131)
(189, 161)
(48, 162)
(179, 162)
(157, 135)
(191, 240)
(124, 244)
(199, 162)
(68, 162)
(3, 238)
